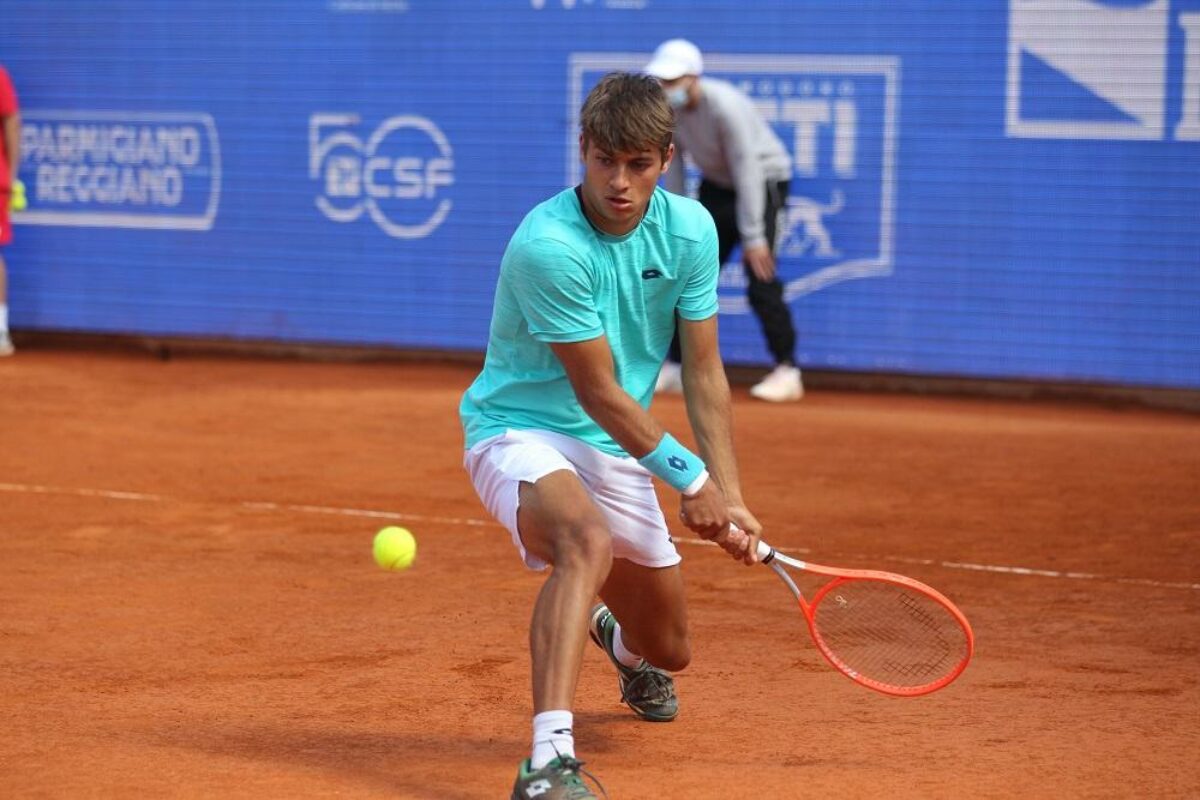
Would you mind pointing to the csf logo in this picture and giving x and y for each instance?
(1103, 69)
(398, 176)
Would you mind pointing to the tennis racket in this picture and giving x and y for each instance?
(887, 632)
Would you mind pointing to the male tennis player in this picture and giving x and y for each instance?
(560, 445)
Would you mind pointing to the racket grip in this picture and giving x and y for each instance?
(765, 551)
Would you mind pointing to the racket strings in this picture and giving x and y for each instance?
(889, 633)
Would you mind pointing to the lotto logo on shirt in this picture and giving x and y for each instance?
(399, 175)
(120, 169)
(837, 117)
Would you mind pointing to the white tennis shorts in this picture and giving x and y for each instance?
(621, 488)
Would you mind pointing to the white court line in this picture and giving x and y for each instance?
(363, 512)
(34, 489)
(470, 522)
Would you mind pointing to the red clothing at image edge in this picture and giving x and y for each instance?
(8, 106)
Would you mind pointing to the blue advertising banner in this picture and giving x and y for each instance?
(1002, 189)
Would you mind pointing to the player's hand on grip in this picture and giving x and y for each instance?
(735, 542)
(748, 529)
(733, 528)
(745, 531)
(705, 513)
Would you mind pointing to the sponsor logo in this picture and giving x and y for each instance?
(837, 115)
(1074, 71)
(120, 169)
(399, 175)
(677, 463)
(627, 5)
(368, 6)
(650, 274)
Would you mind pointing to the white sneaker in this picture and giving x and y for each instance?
(670, 379)
(6, 345)
(782, 385)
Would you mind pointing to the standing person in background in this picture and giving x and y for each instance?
(746, 172)
(12, 193)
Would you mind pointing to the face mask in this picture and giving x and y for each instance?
(677, 97)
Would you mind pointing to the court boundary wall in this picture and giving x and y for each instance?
(168, 347)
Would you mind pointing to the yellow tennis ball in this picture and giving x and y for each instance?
(17, 200)
(395, 548)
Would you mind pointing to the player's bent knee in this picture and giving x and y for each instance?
(675, 661)
(672, 655)
(586, 547)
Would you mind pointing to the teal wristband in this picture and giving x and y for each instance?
(674, 463)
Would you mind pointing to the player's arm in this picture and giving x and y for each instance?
(706, 392)
(556, 295)
(589, 367)
(554, 288)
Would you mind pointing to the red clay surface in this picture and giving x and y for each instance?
(223, 632)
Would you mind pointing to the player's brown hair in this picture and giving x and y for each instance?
(627, 113)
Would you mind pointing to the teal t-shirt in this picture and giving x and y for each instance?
(562, 280)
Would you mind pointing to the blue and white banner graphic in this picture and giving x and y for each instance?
(837, 116)
(121, 169)
(1002, 190)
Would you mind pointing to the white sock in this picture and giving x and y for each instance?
(552, 737)
(623, 653)
(3, 319)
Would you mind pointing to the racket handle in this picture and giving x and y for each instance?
(765, 552)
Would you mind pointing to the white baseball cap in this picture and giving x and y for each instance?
(675, 58)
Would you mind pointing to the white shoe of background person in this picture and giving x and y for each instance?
(6, 345)
(670, 379)
(782, 385)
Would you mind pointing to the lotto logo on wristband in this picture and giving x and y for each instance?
(673, 463)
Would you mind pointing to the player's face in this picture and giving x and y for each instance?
(617, 186)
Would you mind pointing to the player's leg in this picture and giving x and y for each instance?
(644, 589)
(652, 609)
(559, 524)
(532, 489)
(642, 627)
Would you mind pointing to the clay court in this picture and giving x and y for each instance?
(190, 608)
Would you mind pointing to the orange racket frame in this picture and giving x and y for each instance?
(770, 557)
